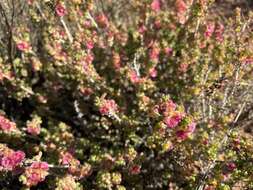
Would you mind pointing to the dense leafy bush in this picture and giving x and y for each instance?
(138, 94)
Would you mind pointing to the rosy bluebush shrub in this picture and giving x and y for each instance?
(116, 94)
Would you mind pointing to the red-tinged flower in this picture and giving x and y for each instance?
(6, 125)
(156, 5)
(135, 170)
(102, 20)
(247, 60)
(209, 30)
(153, 72)
(182, 135)
(231, 166)
(173, 121)
(60, 10)
(108, 107)
(23, 46)
(191, 127)
(205, 141)
(142, 29)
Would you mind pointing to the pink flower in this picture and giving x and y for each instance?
(60, 10)
(173, 121)
(89, 45)
(209, 30)
(23, 46)
(168, 51)
(153, 72)
(108, 107)
(134, 78)
(156, 5)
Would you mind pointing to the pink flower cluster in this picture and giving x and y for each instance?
(173, 120)
(33, 130)
(11, 159)
(36, 173)
(181, 9)
(156, 5)
(75, 167)
(108, 107)
(33, 127)
(68, 159)
(60, 10)
(6, 125)
(167, 107)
